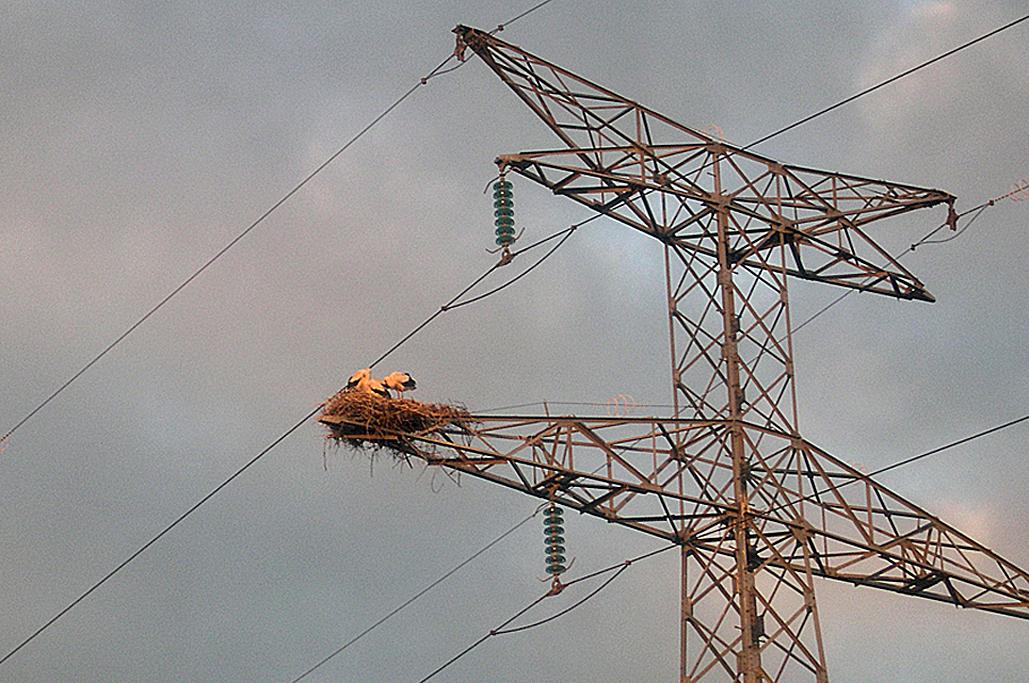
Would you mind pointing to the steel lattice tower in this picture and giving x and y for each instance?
(758, 511)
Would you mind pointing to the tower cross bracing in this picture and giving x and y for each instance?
(758, 511)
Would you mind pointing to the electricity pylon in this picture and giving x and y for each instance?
(758, 511)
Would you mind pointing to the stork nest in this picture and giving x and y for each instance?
(368, 421)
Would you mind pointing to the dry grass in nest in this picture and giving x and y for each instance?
(365, 420)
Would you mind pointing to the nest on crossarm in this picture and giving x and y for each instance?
(367, 421)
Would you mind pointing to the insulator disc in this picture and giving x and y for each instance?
(504, 220)
(553, 526)
(556, 569)
(555, 548)
(504, 211)
(506, 233)
(555, 559)
(503, 197)
(502, 185)
(505, 240)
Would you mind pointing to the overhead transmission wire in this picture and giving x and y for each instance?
(451, 304)
(901, 463)
(976, 210)
(567, 231)
(438, 70)
(417, 595)
(886, 82)
(502, 629)
(923, 241)
(442, 578)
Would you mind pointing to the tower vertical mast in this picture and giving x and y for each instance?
(758, 511)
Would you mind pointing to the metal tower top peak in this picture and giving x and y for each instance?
(656, 175)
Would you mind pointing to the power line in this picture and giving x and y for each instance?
(185, 283)
(456, 303)
(881, 84)
(503, 630)
(417, 595)
(439, 70)
(977, 210)
(902, 463)
(980, 208)
(153, 540)
(502, 26)
(448, 306)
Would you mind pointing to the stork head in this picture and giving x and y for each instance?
(400, 381)
(356, 378)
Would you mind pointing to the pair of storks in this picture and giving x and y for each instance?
(362, 380)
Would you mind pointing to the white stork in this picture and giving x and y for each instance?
(400, 382)
(362, 380)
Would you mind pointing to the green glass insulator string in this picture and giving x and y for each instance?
(503, 212)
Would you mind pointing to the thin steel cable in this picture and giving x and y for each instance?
(500, 630)
(453, 303)
(594, 404)
(417, 595)
(221, 252)
(924, 240)
(567, 232)
(892, 79)
(558, 615)
(156, 538)
(955, 235)
(900, 463)
(502, 26)
(435, 72)
(260, 455)
(484, 638)
(440, 311)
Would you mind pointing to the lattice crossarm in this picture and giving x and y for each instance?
(580, 112)
(904, 570)
(622, 470)
(625, 160)
(861, 532)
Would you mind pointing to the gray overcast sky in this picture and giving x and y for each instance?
(138, 138)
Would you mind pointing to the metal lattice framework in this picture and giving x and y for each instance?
(758, 511)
